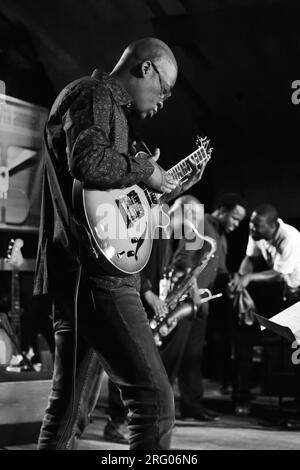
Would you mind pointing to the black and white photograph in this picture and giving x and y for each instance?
(149, 228)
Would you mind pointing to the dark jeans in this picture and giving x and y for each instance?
(117, 329)
(115, 410)
(74, 394)
(182, 358)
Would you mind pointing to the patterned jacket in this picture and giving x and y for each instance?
(88, 138)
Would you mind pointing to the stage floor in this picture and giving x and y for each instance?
(223, 436)
(226, 435)
(229, 433)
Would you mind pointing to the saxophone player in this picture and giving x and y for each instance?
(182, 356)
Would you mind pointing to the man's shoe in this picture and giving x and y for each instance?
(242, 409)
(116, 432)
(205, 415)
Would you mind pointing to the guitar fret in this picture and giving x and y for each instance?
(184, 167)
(179, 172)
(198, 156)
(170, 172)
(174, 173)
(175, 176)
(177, 169)
(202, 153)
(182, 170)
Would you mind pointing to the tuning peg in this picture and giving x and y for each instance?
(204, 142)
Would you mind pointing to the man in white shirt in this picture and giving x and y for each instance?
(278, 244)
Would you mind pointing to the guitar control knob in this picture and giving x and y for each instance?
(153, 324)
(134, 240)
(130, 253)
(121, 254)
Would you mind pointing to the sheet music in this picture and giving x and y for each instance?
(290, 318)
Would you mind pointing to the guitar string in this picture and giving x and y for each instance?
(203, 160)
(203, 163)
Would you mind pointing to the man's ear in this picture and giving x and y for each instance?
(145, 67)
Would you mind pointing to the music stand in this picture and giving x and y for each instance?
(283, 331)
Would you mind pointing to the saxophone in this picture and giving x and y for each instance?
(178, 303)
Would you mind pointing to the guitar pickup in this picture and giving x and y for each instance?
(131, 208)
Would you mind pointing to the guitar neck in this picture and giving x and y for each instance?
(181, 171)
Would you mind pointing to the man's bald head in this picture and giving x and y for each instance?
(147, 48)
(148, 70)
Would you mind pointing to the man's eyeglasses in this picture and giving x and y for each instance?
(165, 91)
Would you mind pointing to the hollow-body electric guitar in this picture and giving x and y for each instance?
(118, 225)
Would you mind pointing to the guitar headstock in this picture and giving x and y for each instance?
(203, 145)
(14, 254)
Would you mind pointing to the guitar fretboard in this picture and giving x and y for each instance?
(182, 170)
